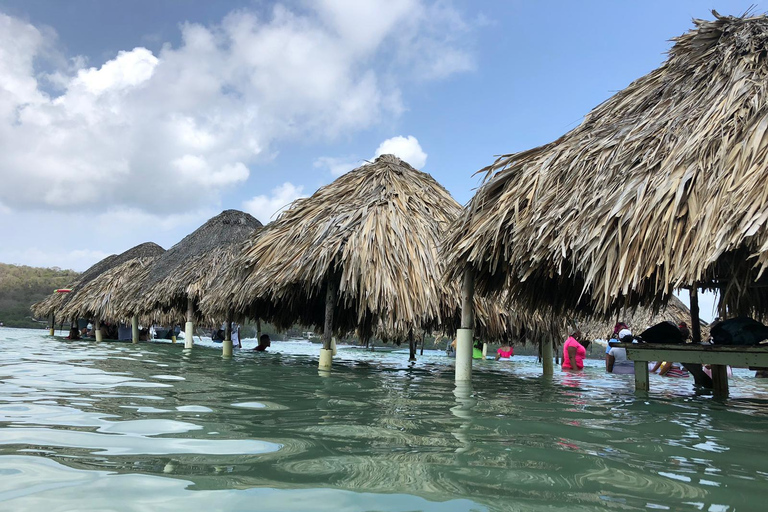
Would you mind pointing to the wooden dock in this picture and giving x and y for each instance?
(719, 356)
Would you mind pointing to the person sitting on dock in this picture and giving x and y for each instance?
(506, 352)
(264, 342)
(616, 361)
(669, 369)
(574, 352)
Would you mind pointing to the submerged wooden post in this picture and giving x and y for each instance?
(464, 334)
(189, 327)
(720, 380)
(134, 329)
(97, 329)
(326, 353)
(411, 346)
(693, 293)
(422, 335)
(53, 324)
(258, 330)
(547, 366)
(642, 383)
(226, 345)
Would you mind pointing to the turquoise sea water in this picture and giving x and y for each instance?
(115, 426)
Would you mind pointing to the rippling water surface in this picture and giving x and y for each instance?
(115, 426)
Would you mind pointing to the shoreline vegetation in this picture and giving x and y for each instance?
(22, 285)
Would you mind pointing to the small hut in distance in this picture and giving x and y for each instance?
(169, 284)
(56, 302)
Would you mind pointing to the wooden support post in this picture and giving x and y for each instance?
(331, 292)
(258, 330)
(720, 380)
(695, 322)
(97, 329)
(411, 346)
(464, 336)
(422, 342)
(547, 366)
(226, 345)
(189, 327)
(53, 324)
(642, 383)
(134, 329)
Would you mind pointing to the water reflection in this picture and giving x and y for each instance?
(465, 402)
(375, 433)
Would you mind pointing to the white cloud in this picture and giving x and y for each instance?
(405, 148)
(266, 208)
(197, 118)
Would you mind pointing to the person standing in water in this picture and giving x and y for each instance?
(235, 335)
(264, 343)
(574, 352)
(506, 352)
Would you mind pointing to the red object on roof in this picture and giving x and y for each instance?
(63, 290)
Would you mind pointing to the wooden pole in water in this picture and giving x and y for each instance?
(258, 329)
(226, 345)
(53, 324)
(326, 353)
(97, 329)
(422, 336)
(695, 322)
(189, 327)
(134, 329)
(411, 346)
(464, 335)
(719, 380)
(642, 384)
(546, 358)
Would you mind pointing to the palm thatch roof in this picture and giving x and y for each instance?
(376, 232)
(56, 301)
(183, 271)
(105, 298)
(664, 185)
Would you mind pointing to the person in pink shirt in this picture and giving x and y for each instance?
(574, 352)
(505, 352)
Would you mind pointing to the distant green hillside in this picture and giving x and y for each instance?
(22, 286)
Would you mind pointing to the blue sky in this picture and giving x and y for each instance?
(122, 122)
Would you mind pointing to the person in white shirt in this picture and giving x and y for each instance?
(236, 336)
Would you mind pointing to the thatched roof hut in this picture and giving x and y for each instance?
(105, 298)
(662, 186)
(373, 235)
(177, 276)
(55, 302)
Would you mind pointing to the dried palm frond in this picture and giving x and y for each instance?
(101, 298)
(662, 186)
(184, 270)
(376, 232)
